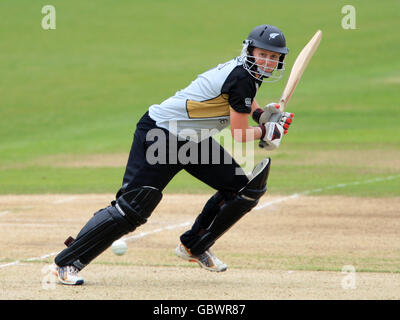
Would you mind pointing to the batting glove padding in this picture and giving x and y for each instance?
(272, 132)
(271, 113)
(272, 135)
(286, 120)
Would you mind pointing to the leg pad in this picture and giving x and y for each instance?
(109, 224)
(234, 209)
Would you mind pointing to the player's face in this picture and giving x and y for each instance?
(266, 60)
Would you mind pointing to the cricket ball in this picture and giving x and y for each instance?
(119, 247)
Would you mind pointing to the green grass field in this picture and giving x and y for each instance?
(80, 89)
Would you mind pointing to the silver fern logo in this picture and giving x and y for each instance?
(273, 35)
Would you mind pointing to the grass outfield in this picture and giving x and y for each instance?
(79, 90)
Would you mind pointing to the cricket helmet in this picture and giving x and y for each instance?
(269, 38)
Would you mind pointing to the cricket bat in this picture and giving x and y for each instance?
(298, 68)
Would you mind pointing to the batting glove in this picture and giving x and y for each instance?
(273, 131)
(272, 134)
(270, 113)
(286, 120)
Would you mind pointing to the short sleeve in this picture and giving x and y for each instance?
(241, 90)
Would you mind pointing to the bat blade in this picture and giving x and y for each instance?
(297, 71)
(298, 68)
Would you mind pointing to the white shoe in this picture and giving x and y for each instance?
(67, 275)
(206, 260)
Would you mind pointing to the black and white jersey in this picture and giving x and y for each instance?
(202, 108)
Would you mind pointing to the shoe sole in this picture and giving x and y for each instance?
(186, 257)
(77, 283)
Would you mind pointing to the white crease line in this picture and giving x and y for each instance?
(42, 257)
(339, 185)
(134, 237)
(28, 260)
(270, 203)
(10, 264)
(343, 185)
(264, 205)
(144, 234)
(3, 213)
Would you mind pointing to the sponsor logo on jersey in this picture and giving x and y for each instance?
(248, 102)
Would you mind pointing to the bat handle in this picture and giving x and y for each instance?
(282, 104)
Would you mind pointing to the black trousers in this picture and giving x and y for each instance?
(207, 161)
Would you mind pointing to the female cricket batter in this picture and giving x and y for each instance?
(176, 135)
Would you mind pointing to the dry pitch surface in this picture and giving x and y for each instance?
(272, 253)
